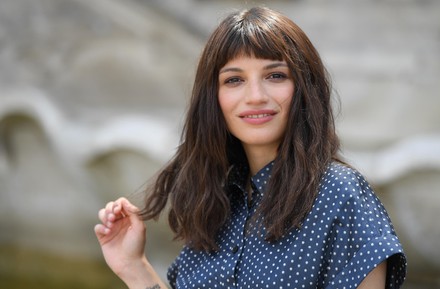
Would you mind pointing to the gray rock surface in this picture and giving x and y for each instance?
(93, 92)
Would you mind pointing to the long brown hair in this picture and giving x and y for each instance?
(193, 183)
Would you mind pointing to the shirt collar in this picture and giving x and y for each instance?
(239, 174)
(261, 179)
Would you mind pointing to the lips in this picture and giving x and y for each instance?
(257, 113)
(257, 116)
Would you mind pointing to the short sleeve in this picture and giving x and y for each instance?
(172, 273)
(362, 235)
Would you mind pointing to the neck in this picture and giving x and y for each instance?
(258, 157)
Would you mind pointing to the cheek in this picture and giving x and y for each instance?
(226, 104)
(285, 102)
(288, 96)
(224, 108)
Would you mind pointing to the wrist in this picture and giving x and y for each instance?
(141, 275)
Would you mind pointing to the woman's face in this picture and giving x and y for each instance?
(255, 97)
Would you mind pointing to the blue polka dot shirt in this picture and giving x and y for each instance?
(346, 234)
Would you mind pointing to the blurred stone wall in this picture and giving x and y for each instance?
(93, 92)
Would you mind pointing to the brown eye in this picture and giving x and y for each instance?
(232, 80)
(277, 76)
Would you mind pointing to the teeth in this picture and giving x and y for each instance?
(257, 115)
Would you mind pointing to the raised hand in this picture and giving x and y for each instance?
(122, 236)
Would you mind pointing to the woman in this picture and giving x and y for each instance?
(256, 190)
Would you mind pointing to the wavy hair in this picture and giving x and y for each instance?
(193, 182)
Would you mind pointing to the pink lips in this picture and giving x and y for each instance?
(257, 116)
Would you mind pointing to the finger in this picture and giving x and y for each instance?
(115, 211)
(101, 230)
(109, 216)
(106, 219)
(118, 210)
(129, 207)
(132, 213)
(102, 216)
(109, 207)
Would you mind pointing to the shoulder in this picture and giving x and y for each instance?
(345, 191)
(347, 197)
(344, 182)
(338, 174)
(357, 227)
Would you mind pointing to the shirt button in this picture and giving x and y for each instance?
(234, 249)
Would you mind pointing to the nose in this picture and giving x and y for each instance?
(256, 93)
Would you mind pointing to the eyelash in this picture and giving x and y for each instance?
(232, 80)
(278, 75)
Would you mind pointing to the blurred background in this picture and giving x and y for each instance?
(92, 96)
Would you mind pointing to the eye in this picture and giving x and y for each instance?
(277, 75)
(233, 80)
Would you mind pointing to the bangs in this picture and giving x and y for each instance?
(248, 40)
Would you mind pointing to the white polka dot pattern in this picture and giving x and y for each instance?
(346, 235)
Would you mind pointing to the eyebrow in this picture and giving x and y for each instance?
(267, 67)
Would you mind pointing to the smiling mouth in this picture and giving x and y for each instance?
(257, 115)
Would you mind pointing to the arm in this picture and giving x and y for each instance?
(121, 235)
(376, 278)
